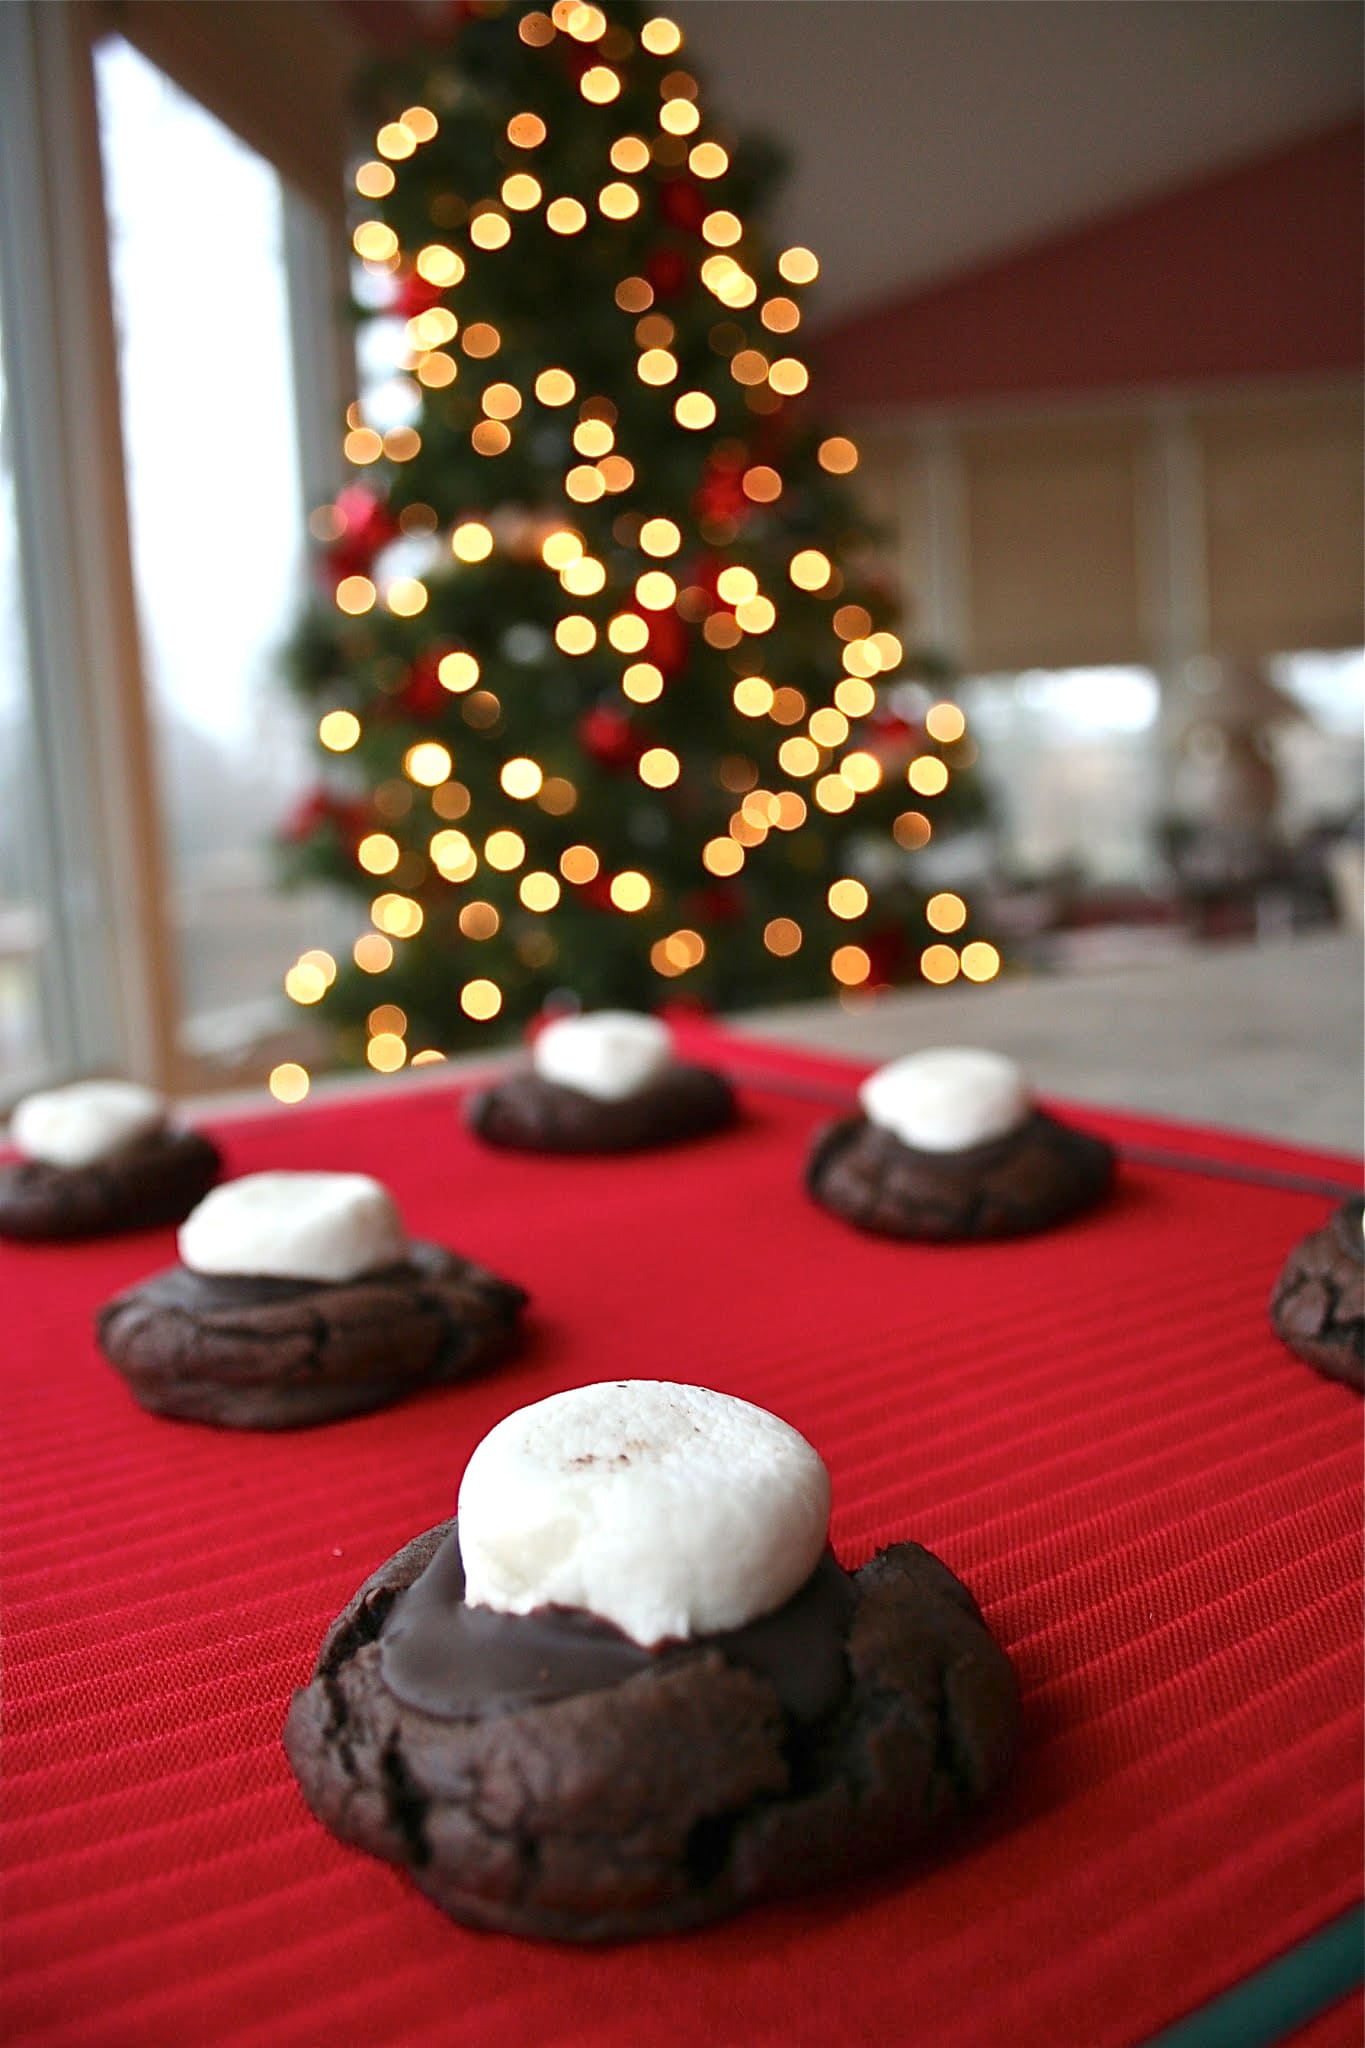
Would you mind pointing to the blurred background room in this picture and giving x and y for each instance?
(1088, 312)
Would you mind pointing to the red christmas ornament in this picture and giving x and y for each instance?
(683, 204)
(720, 495)
(666, 270)
(348, 817)
(415, 294)
(424, 695)
(367, 525)
(307, 814)
(889, 954)
(723, 903)
(704, 573)
(890, 738)
(597, 892)
(667, 646)
(609, 738)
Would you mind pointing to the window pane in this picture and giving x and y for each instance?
(196, 225)
(1319, 757)
(25, 1054)
(1074, 769)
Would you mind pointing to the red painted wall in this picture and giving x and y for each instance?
(1257, 271)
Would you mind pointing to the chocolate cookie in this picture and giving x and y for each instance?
(1318, 1307)
(153, 1180)
(253, 1353)
(544, 1775)
(530, 1114)
(1027, 1180)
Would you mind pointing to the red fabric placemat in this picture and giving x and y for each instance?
(1156, 1505)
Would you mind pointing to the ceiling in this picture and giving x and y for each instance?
(927, 136)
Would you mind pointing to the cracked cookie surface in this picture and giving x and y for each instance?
(1318, 1306)
(530, 1114)
(249, 1353)
(157, 1179)
(1037, 1176)
(680, 1794)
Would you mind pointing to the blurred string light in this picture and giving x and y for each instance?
(289, 1081)
(980, 961)
(521, 778)
(565, 216)
(679, 117)
(927, 775)
(458, 671)
(708, 160)
(539, 891)
(579, 864)
(798, 266)
(661, 37)
(642, 682)
(339, 730)
(944, 723)
(355, 595)
(678, 953)
(765, 380)
(628, 633)
(395, 140)
(850, 965)
(695, 409)
(946, 912)
(630, 890)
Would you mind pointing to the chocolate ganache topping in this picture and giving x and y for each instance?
(462, 1663)
(182, 1287)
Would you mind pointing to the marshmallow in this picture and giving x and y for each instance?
(608, 1054)
(294, 1226)
(669, 1510)
(86, 1122)
(947, 1099)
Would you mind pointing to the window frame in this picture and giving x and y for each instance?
(109, 988)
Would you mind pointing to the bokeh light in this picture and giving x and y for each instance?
(630, 890)
(927, 775)
(339, 730)
(980, 961)
(847, 898)
(481, 999)
(850, 965)
(289, 1081)
(944, 723)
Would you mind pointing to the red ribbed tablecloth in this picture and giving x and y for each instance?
(1156, 1505)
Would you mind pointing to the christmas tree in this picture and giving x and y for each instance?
(609, 701)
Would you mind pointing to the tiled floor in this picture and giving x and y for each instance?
(1255, 1038)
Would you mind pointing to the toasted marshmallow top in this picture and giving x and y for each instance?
(947, 1099)
(294, 1226)
(669, 1510)
(609, 1054)
(85, 1122)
